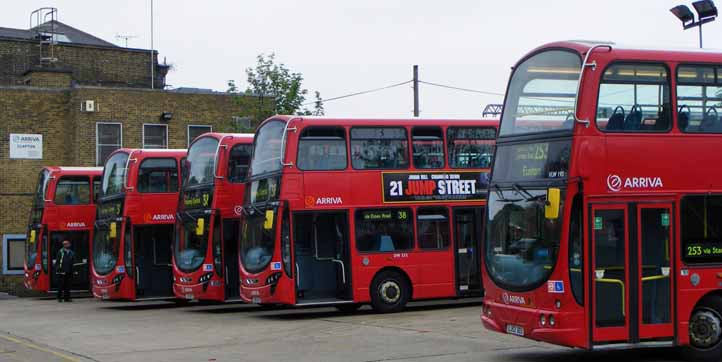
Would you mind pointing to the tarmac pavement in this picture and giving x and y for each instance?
(40, 329)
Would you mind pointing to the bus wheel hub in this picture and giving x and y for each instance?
(390, 292)
(705, 329)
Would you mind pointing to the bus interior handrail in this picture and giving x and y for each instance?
(586, 64)
(283, 142)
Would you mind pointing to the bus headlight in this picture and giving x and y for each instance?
(543, 320)
(273, 278)
(552, 322)
(205, 277)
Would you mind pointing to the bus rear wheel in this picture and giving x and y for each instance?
(705, 331)
(389, 292)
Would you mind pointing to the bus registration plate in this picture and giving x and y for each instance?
(189, 296)
(256, 300)
(515, 330)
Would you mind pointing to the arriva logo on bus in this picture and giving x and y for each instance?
(615, 183)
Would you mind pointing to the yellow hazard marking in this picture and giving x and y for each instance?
(38, 348)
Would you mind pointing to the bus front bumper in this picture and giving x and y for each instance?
(527, 322)
(212, 290)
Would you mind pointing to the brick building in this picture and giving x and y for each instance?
(86, 97)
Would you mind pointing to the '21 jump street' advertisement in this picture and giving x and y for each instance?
(434, 186)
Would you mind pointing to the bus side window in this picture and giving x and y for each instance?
(158, 175)
(322, 148)
(698, 98)
(384, 230)
(379, 148)
(470, 147)
(72, 190)
(634, 98)
(701, 232)
(428, 147)
(239, 160)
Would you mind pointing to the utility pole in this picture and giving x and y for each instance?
(416, 90)
(152, 50)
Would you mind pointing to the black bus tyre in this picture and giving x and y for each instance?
(389, 292)
(348, 307)
(705, 331)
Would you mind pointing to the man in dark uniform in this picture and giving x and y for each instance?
(64, 271)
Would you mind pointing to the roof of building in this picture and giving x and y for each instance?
(62, 33)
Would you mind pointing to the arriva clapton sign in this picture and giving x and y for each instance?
(26, 146)
(615, 183)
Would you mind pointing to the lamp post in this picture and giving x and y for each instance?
(706, 12)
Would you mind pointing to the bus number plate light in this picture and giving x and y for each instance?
(515, 330)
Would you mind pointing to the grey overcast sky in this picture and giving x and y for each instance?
(347, 46)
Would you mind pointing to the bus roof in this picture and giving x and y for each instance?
(234, 137)
(150, 152)
(384, 121)
(72, 170)
(623, 51)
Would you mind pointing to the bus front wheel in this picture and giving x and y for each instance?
(705, 331)
(389, 292)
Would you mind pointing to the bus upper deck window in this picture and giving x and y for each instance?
(470, 147)
(379, 148)
(322, 148)
(428, 147)
(699, 98)
(634, 98)
(72, 190)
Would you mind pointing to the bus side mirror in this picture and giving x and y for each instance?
(32, 236)
(268, 223)
(200, 225)
(113, 230)
(551, 209)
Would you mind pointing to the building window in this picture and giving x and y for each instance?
(155, 136)
(195, 131)
(108, 138)
(384, 230)
(14, 253)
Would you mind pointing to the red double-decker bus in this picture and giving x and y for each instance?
(132, 246)
(605, 202)
(352, 211)
(205, 263)
(63, 209)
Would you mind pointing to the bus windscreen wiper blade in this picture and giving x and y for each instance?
(526, 194)
(500, 195)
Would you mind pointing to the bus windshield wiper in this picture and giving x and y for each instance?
(500, 195)
(526, 194)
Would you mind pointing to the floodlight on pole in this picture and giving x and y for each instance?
(706, 12)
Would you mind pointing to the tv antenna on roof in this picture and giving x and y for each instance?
(126, 38)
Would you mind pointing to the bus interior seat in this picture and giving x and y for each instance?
(710, 123)
(633, 121)
(386, 243)
(616, 122)
(683, 120)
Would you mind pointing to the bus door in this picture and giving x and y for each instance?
(321, 250)
(631, 249)
(152, 250)
(80, 244)
(230, 257)
(467, 239)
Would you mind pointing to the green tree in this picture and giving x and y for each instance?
(273, 89)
